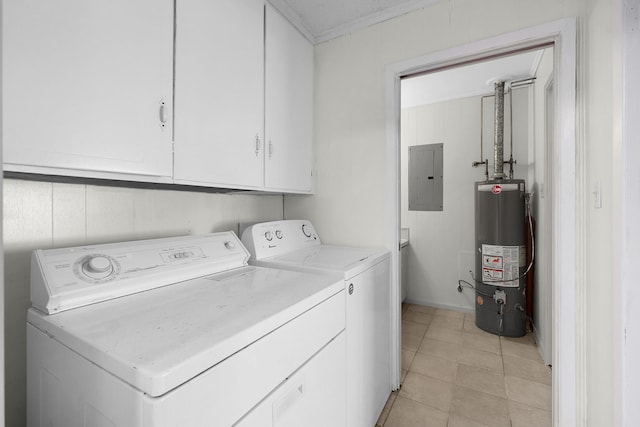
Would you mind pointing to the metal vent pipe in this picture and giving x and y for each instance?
(498, 132)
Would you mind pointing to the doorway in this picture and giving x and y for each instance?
(455, 108)
(561, 34)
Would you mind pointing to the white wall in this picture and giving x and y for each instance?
(349, 141)
(349, 133)
(442, 243)
(350, 146)
(597, 151)
(46, 215)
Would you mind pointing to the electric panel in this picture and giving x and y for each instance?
(425, 177)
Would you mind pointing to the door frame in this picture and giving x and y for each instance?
(626, 227)
(568, 333)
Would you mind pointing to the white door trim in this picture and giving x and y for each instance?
(627, 232)
(569, 398)
(2, 379)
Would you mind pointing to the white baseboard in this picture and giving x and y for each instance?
(465, 309)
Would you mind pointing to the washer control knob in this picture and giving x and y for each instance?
(98, 264)
(229, 245)
(268, 235)
(305, 231)
(279, 234)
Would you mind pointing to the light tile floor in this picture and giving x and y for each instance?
(456, 375)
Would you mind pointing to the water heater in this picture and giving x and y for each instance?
(501, 260)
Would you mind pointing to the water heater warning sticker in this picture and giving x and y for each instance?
(492, 261)
(500, 265)
(491, 275)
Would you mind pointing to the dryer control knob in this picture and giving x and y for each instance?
(268, 236)
(279, 234)
(97, 267)
(229, 245)
(305, 231)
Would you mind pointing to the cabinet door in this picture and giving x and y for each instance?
(288, 106)
(314, 396)
(83, 85)
(219, 92)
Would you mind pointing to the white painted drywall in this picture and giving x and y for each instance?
(599, 127)
(350, 145)
(46, 215)
(349, 132)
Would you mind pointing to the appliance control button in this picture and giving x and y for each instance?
(229, 245)
(99, 264)
(97, 268)
(181, 255)
(305, 231)
(279, 234)
(268, 235)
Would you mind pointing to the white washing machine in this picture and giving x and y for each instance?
(182, 332)
(295, 245)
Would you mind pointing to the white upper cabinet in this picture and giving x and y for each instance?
(84, 85)
(89, 90)
(219, 93)
(288, 107)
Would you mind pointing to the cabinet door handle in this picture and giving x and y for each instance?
(257, 145)
(270, 149)
(288, 401)
(164, 114)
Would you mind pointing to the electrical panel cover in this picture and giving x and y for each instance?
(425, 177)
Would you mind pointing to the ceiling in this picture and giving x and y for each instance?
(322, 20)
(470, 80)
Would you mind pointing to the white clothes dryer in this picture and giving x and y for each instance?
(181, 332)
(295, 245)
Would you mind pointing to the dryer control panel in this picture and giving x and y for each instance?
(67, 278)
(275, 238)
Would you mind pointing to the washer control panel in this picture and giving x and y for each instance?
(67, 278)
(276, 238)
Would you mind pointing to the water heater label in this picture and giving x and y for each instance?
(501, 265)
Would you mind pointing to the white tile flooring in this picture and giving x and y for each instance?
(456, 375)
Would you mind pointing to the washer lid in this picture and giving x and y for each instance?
(159, 339)
(345, 260)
